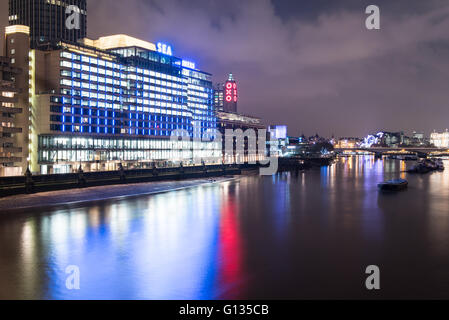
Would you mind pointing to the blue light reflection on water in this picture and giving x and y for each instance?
(162, 247)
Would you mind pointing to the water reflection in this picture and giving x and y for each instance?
(298, 235)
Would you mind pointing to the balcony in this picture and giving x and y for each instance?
(11, 149)
(10, 110)
(6, 68)
(10, 130)
(8, 86)
(14, 99)
(5, 160)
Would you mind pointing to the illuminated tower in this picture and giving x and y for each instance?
(230, 95)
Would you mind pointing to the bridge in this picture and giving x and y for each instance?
(380, 151)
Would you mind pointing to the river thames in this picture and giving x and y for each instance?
(291, 236)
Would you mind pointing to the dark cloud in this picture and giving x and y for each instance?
(307, 9)
(309, 64)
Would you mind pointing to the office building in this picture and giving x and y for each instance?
(115, 100)
(251, 128)
(10, 130)
(440, 140)
(219, 96)
(278, 139)
(278, 132)
(47, 20)
(392, 139)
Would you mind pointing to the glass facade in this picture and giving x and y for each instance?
(66, 149)
(124, 104)
(117, 98)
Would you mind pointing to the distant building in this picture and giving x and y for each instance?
(419, 139)
(347, 143)
(225, 100)
(295, 146)
(226, 95)
(10, 128)
(278, 132)
(278, 139)
(440, 140)
(219, 96)
(47, 20)
(418, 136)
(234, 121)
(392, 139)
(317, 139)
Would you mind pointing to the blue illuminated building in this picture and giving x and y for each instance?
(118, 100)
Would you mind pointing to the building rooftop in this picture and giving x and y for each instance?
(118, 41)
(17, 29)
(232, 116)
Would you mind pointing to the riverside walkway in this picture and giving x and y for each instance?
(72, 197)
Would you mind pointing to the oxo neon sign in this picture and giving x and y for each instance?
(231, 92)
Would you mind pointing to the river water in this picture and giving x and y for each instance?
(291, 236)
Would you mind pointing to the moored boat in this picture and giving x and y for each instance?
(440, 165)
(427, 165)
(393, 185)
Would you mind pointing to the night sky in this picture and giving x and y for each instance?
(311, 65)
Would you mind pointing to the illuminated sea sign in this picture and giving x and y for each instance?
(164, 49)
(231, 91)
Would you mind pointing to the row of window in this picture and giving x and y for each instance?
(124, 91)
(92, 156)
(93, 114)
(113, 66)
(159, 108)
(107, 130)
(102, 76)
(60, 142)
(170, 95)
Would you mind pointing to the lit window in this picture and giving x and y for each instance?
(66, 55)
(13, 51)
(13, 60)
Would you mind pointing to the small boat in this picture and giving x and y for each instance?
(419, 168)
(440, 165)
(427, 165)
(430, 164)
(393, 185)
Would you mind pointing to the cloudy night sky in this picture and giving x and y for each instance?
(309, 64)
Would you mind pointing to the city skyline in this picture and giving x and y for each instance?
(393, 78)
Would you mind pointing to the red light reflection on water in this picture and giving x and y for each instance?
(230, 253)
